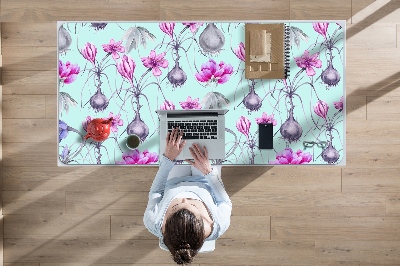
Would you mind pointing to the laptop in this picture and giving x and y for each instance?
(206, 127)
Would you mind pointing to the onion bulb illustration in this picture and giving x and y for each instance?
(252, 101)
(64, 39)
(98, 101)
(330, 154)
(99, 26)
(291, 130)
(177, 76)
(138, 127)
(330, 75)
(211, 39)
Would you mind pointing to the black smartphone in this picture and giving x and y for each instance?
(265, 136)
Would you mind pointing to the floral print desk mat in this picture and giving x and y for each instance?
(127, 70)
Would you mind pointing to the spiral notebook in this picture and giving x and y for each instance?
(267, 51)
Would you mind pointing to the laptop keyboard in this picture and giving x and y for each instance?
(196, 129)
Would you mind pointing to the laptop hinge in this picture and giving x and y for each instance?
(192, 114)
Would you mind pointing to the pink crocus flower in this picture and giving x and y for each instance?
(190, 103)
(339, 105)
(321, 28)
(115, 122)
(89, 52)
(243, 125)
(68, 72)
(240, 51)
(126, 67)
(266, 119)
(86, 122)
(321, 109)
(154, 62)
(210, 71)
(114, 48)
(193, 26)
(287, 156)
(167, 28)
(137, 157)
(167, 105)
(308, 62)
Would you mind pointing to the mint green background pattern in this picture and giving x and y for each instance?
(190, 61)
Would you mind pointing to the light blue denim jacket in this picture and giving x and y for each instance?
(208, 188)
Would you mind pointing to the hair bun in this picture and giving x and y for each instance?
(184, 245)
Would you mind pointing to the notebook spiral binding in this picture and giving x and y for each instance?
(287, 50)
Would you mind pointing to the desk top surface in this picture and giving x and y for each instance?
(127, 70)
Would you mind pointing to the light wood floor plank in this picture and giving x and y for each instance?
(358, 6)
(376, 132)
(15, 130)
(147, 251)
(335, 228)
(356, 108)
(309, 204)
(21, 264)
(29, 51)
(50, 226)
(21, 154)
(393, 204)
(107, 203)
(305, 9)
(286, 180)
(33, 202)
(380, 31)
(28, 34)
(113, 264)
(368, 12)
(51, 106)
(383, 108)
(211, 10)
(249, 227)
(381, 180)
(120, 10)
(24, 106)
(364, 79)
(371, 155)
(29, 82)
(33, 62)
(79, 179)
(364, 252)
(128, 227)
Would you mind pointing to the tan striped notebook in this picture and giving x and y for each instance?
(265, 51)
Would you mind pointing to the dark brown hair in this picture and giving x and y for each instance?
(184, 235)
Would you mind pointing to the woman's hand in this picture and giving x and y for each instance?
(174, 145)
(201, 160)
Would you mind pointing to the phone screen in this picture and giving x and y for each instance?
(265, 136)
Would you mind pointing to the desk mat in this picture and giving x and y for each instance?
(127, 70)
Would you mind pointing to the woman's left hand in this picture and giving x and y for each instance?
(174, 144)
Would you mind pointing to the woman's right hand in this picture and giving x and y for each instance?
(201, 160)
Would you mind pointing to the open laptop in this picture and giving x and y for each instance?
(205, 127)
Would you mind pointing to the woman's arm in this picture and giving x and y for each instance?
(173, 148)
(222, 199)
(213, 177)
(156, 194)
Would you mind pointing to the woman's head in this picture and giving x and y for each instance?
(184, 235)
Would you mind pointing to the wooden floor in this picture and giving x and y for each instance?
(281, 216)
